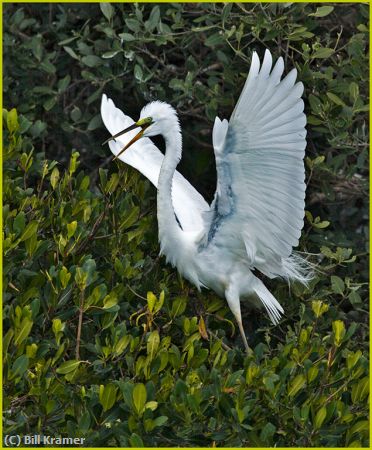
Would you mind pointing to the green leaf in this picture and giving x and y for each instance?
(297, 384)
(136, 441)
(81, 278)
(54, 177)
(95, 122)
(107, 10)
(19, 223)
(23, 331)
(153, 344)
(352, 358)
(76, 114)
(50, 406)
(122, 344)
(71, 52)
(130, 218)
(322, 11)
(110, 300)
(127, 37)
(138, 73)
(267, 431)
(38, 128)
(361, 27)
(107, 396)
(111, 54)
(49, 104)
(84, 422)
(300, 34)
(312, 374)
(354, 91)
(139, 398)
(338, 285)
(153, 19)
(359, 427)
(36, 47)
(176, 84)
(214, 39)
(322, 224)
(178, 306)
(20, 366)
(160, 421)
(151, 300)
(319, 308)
(151, 405)
(319, 417)
(318, 160)
(323, 52)
(68, 366)
(159, 303)
(315, 104)
(355, 444)
(133, 25)
(7, 339)
(335, 99)
(91, 60)
(252, 372)
(360, 390)
(85, 275)
(126, 388)
(112, 183)
(226, 12)
(24, 124)
(57, 326)
(71, 228)
(12, 120)
(63, 83)
(339, 331)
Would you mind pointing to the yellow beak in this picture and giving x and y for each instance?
(136, 137)
(143, 123)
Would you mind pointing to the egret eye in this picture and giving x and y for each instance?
(145, 122)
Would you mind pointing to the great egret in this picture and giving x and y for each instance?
(257, 213)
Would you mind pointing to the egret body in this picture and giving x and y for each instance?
(256, 216)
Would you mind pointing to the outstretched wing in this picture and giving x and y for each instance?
(144, 156)
(258, 207)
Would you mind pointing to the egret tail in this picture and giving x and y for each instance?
(270, 303)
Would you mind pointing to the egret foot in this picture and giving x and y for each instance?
(247, 348)
(233, 300)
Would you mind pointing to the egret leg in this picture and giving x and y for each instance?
(233, 300)
(247, 348)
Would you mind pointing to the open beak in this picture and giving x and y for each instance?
(136, 137)
(132, 127)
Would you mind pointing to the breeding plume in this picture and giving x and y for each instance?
(257, 213)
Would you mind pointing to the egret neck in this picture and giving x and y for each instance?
(170, 233)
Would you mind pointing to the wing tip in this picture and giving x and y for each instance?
(104, 108)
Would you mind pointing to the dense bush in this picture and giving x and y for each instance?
(102, 339)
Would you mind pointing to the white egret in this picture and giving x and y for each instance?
(257, 213)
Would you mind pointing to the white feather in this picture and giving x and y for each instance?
(260, 176)
(144, 156)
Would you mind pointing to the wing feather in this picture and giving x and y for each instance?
(259, 201)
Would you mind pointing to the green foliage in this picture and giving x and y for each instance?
(102, 339)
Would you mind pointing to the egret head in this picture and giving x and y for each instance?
(155, 118)
(162, 117)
